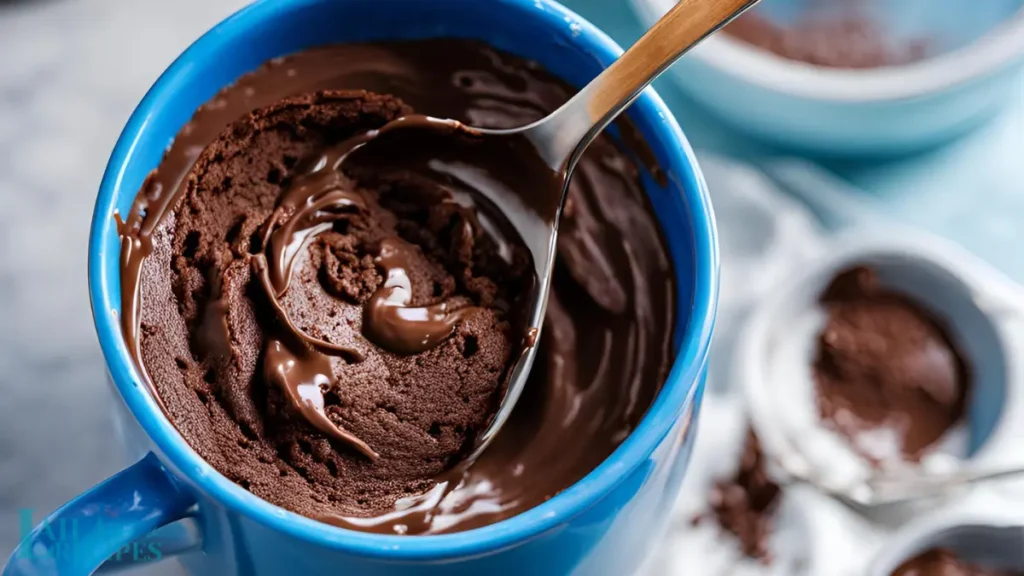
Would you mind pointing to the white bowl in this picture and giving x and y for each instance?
(876, 111)
(985, 315)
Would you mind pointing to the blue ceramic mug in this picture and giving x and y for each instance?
(172, 503)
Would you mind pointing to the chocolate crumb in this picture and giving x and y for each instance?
(745, 505)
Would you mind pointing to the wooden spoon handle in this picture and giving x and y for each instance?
(561, 137)
(683, 27)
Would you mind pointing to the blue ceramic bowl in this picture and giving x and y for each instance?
(604, 524)
(974, 70)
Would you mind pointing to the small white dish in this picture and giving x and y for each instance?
(874, 111)
(983, 310)
(991, 539)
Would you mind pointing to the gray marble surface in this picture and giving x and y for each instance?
(71, 72)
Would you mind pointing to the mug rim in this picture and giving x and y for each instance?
(678, 391)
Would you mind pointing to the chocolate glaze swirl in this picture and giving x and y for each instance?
(319, 196)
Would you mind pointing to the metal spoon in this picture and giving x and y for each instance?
(887, 491)
(561, 138)
(530, 186)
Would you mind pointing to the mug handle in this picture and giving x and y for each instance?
(104, 524)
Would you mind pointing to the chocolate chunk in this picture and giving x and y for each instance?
(745, 504)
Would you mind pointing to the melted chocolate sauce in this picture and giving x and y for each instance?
(606, 346)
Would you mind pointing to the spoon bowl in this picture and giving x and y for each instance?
(532, 194)
(561, 138)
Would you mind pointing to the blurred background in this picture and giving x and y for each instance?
(71, 71)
